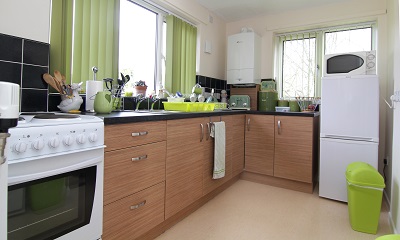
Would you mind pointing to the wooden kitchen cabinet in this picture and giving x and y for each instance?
(132, 169)
(184, 163)
(134, 178)
(259, 144)
(209, 184)
(132, 216)
(294, 148)
(235, 142)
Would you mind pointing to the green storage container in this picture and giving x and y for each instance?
(389, 237)
(267, 100)
(364, 194)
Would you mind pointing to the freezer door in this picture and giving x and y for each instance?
(335, 155)
(350, 107)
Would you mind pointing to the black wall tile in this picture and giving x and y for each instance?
(36, 53)
(54, 100)
(10, 72)
(202, 81)
(10, 48)
(33, 100)
(32, 77)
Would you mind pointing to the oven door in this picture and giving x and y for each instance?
(66, 204)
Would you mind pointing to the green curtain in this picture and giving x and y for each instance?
(180, 72)
(90, 39)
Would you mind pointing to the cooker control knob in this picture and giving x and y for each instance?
(81, 139)
(20, 147)
(54, 142)
(93, 137)
(38, 144)
(68, 140)
(371, 57)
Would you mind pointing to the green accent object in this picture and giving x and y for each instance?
(294, 106)
(267, 100)
(94, 34)
(180, 72)
(364, 193)
(268, 85)
(46, 194)
(283, 103)
(389, 237)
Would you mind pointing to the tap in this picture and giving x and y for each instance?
(154, 101)
(139, 102)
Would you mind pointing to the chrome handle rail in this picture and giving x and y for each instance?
(139, 158)
(248, 124)
(202, 132)
(141, 204)
(136, 134)
(208, 131)
(279, 126)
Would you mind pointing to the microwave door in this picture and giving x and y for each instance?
(345, 63)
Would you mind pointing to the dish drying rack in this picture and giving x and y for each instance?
(308, 104)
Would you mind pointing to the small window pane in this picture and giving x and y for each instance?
(355, 40)
(137, 43)
(298, 70)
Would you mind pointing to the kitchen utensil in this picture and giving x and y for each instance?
(103, 102)
(58, 76)
(108, 83)
(50, 80)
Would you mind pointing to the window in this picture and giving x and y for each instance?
(142, 44)
(300, 56)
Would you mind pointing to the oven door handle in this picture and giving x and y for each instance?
(12, 180)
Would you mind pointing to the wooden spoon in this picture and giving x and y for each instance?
(58, 76)
(50, 80)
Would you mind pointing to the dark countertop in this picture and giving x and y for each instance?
(132, 116)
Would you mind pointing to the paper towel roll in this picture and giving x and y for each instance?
(92, 87)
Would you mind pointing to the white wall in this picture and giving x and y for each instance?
(210, 65)
(26, 19)
(394, 75)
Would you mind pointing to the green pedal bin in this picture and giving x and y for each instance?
(364, 194)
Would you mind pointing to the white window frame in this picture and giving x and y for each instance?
(320, 49)
(161, 18)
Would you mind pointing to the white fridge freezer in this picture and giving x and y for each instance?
(349, 129)
(337, 154)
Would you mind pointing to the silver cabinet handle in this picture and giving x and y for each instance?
(208, 131)
(248, 124)
(202, 132)
(141, 204)
(279, 126)
(139, 158)
(136, 134)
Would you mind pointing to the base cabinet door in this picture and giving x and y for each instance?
(184, 163)
(259, 144)
(132, 216)
(235, 142)
(294, 148)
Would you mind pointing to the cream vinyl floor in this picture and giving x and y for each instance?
(252, 211)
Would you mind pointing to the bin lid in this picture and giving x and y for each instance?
(363, 174)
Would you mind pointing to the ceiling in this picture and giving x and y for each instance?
(234, 10)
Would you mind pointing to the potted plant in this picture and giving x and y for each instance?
(140, 87)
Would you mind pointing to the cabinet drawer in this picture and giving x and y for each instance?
(132, 169)
(134, 134)
(133, 216)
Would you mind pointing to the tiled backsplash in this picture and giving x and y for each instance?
(208, 83)
(24, 61)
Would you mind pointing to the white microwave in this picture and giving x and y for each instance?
(348, 64)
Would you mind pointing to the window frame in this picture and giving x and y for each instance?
(161, 19)
(319, 51)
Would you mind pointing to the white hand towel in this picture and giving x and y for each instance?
(218, 133)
